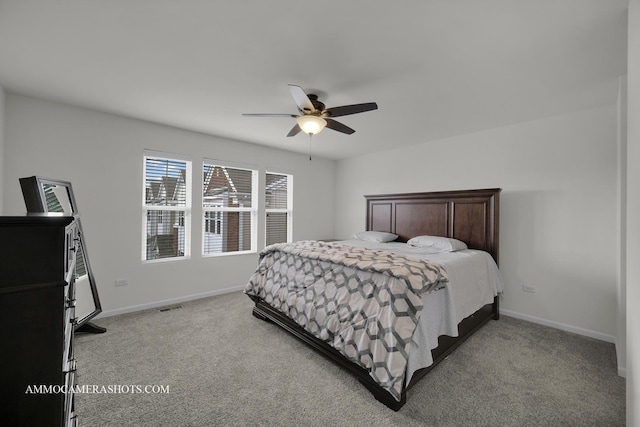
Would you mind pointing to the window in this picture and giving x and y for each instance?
(166, 207)
(279, 206)
(229, 204)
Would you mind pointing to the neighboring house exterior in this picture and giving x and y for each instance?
(165, 229)
(226, 188)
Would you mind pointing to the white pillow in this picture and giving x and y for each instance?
(375, 236)
(444, 244)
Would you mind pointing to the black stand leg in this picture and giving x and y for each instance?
(91, 328)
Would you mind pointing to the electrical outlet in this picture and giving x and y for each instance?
(122, 282)
(528, 288)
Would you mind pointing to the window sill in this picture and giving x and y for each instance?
(225, 254)
(169, 259)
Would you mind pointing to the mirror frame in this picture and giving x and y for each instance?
(36, 202)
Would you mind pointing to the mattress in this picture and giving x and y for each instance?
(474, 281)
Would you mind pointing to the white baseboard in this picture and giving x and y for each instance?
(563, 327)
(172, 301)
(622, 371)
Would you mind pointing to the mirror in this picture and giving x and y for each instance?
(56, 196)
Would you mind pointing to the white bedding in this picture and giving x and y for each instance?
(474, 280)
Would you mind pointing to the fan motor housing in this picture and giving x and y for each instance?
(314, 100)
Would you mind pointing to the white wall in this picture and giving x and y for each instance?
(558, 212)
(101, 155)
(633, 216)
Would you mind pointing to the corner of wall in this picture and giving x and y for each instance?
(2, 132)
(621, 279)
(633, 212)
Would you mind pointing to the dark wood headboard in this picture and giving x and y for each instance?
(467, 215)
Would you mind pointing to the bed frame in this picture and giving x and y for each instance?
(468, 215)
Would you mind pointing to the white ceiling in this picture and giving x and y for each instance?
(436, 68)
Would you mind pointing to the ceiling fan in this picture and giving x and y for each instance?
(314, 116)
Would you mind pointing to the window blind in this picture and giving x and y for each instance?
(165, 181)
(229, 209)
(277, 208)
(53, 203)
(81, 268)
(166, 207)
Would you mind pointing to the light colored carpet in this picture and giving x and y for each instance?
(224, 367)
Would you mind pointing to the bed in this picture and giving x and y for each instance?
(408, 308)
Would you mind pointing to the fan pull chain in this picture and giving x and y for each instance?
(310, 135)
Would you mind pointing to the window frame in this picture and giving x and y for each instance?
(288, 210)
(186, 209)
(252, 210)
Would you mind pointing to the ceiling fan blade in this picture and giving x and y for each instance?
(337, 126)
(302, 100)
(294, 130)
(268, 115)
(345, 110)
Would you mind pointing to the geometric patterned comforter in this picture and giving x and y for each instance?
(364, 303)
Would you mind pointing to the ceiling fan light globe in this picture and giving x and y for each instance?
(311, 124)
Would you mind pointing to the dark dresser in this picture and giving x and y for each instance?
(37, 318)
